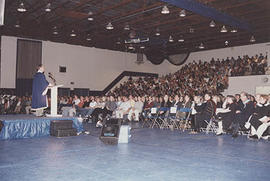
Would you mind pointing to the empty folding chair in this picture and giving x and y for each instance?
(153, 117)
(172, 118)
(211, 126)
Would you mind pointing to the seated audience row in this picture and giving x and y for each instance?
(231, 114)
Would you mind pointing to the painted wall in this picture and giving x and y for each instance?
(247, 84)
(95, 68)
(91, 67)
(87, 67)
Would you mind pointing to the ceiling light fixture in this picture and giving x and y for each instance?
(109, 26)
(165, 10)
(234, 31)
(223, 29)
(157, 32)
(182, 13)
(252, 39)
(181, 39)
(142, 47)
(171, 39)
(126, 28)
(90, 19)
(201, 46)
(212, 24)
(88, 38)
(90, 13)
(73, 34)
(55, 32)
(17, 25)
(21, 8)
(48, 7)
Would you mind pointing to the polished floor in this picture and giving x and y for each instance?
(152, 155)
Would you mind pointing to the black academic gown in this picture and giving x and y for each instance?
(261, 110)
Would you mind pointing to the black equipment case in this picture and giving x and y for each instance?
(62, 128)
(110, 131)
(64, 132)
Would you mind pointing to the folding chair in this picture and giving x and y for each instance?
(172, 118)
(163, 117)
(211, 126)
(184, 122)
(145, 118)
(153, 117)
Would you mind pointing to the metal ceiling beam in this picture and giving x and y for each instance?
(209, 12)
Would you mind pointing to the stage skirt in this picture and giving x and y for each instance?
(23, 126)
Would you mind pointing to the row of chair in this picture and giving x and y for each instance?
(165, 117)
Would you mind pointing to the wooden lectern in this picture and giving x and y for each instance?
(54, 98)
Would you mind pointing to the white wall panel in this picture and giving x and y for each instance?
(8, 61)
(247, 84)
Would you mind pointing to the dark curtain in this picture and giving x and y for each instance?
(29, 55)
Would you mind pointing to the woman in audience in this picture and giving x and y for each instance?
(76, 101)
(197, 109)
(226, 114)
(123, 109)
(165, 104)
(176, 103)
(18, 107)
(185, 104)
(136, 109)
(260, 119)
(207, 113)
(98, 109)
(81, 103)
(217, 100)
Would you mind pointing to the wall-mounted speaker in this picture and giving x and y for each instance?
(62, 69)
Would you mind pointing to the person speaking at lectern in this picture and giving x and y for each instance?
(39, 91)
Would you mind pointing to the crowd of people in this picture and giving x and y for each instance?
(196, 86)
(195, 78)
(231, 114)
(10, 104)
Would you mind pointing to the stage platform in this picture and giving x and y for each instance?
(152, 155)
(30, 126)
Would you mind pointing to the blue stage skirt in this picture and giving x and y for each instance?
(28, 126)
